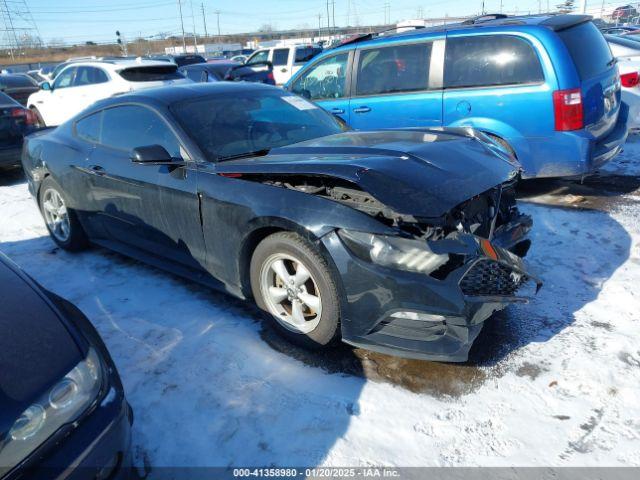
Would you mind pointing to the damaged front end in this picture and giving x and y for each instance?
(446, 249)
(433, 284)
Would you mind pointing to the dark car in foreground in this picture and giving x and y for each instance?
(400, 241)
(221, 70)
(16, 121)
(63, 413)
(18, 86)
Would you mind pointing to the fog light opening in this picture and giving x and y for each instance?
(422, 317)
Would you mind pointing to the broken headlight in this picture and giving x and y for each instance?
(61, 404)
(394, 252)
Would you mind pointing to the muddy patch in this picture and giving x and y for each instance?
(433, 378)
(530, 370)
(597, 192)
(604, 325)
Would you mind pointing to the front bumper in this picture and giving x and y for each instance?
(98, 445)
(383, 308)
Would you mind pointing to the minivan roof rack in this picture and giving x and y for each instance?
(485, 18)
(554, 21)
(363, 37)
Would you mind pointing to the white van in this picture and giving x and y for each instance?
(286, 60)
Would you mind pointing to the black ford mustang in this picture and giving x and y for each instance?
(399, 241)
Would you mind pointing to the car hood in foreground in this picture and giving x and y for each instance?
(423, 173)
(36, 348)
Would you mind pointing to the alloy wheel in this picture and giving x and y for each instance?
(290, 293)
(56, 215)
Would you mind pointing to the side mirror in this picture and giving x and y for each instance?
(45, 86)
(154, 155)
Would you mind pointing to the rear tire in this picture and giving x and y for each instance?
(293, 284)
(39, 120)
(61, 221)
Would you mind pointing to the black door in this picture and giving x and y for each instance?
(154, 208)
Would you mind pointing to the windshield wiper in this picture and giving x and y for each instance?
(255, 153)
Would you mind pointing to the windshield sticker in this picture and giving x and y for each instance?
(300, 103)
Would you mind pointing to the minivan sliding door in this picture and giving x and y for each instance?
(397, 85)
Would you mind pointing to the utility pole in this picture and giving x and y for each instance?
(218, 15)
(319, 25)
(204, 21)
(583, 6)
(193, 23)
(333, 13)
(184, 41)
(328, 19)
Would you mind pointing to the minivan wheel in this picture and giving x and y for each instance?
(39, 120)
(61, 221)
(292, 282)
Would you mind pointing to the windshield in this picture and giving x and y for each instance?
(231, 125)
(16, 81)
(151, 73)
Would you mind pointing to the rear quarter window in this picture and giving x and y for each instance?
(588, 48)
(485, 61)
(151, 74)
(88, 128)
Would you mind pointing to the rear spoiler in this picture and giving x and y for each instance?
(558, 23)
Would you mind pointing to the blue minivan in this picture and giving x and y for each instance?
(545, 87)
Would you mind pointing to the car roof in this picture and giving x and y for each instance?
(170, 94)
(554, 22)
(118, 64)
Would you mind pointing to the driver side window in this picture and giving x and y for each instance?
(325, 80)
(65, 79)
(260, 56)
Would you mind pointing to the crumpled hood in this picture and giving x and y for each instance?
(424, 173)
(36, 349)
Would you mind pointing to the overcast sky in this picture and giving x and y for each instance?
(74, 21)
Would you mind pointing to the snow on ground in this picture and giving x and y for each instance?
(561, 385)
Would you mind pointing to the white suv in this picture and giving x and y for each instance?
(80, 84)
(286, 60)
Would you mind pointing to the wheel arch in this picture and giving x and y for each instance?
(265, 228)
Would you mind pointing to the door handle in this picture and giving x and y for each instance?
(284, 70)
(361, 110)
(337, 111)
(97, 170)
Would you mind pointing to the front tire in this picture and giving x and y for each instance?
(61, 221)
(292, 282)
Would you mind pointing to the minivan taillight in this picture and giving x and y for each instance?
(630, 80)
(567, 109)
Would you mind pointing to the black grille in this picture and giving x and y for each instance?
(491, 278)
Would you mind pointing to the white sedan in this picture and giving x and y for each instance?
(627, 53)
(80, 84)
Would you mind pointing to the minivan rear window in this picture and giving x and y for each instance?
(486, 61)
(588, 48)
(151, 74)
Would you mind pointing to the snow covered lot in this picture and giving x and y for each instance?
(553, 382)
